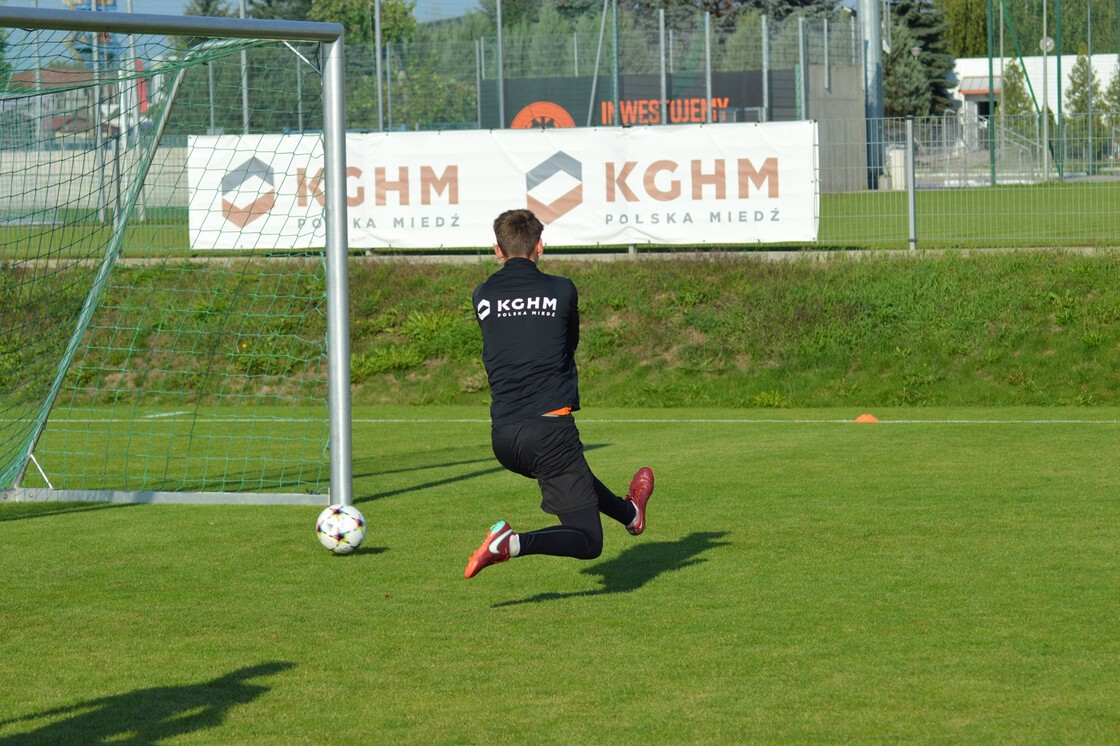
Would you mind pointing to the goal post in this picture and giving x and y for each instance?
(138, 362)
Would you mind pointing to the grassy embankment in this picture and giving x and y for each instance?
(990, 329)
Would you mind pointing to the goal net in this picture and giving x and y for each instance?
(142, 360)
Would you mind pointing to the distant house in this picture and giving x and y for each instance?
(68, 103)
(972, 79)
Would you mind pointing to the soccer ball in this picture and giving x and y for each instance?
(341, 528)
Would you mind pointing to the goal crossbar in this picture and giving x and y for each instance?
(140, 23)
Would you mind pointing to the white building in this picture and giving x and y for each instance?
(972, 79)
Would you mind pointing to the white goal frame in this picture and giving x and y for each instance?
(329, 36)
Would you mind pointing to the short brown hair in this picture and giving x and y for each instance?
(517, 232)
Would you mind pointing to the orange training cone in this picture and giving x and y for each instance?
(867, 418)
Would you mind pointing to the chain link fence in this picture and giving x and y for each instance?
(982, 183)
(976, 182)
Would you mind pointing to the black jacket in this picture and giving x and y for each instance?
(530, 330)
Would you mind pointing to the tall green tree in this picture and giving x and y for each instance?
(1084, 88)
(1084, 113)
(467, 28)
(280, 10)
(1110, 101)
(1025, 16)
(1014, 98)
(779, 9)
(6, 69)
(357, 17)
(513, 11)
(967, 35)
(573, 9)
(210, 8)
(423, 96)
(906, 90)
(679, 15)
(926, 23)
(725, 14)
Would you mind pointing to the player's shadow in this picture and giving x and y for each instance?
(638, 565)
(146, 716)
(45, 510)
(417, 486)
(432, 484)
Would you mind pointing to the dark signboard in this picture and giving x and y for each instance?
(564, 102)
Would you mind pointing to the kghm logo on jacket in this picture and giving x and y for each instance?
(509, 307)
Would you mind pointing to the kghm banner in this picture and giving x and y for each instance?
(671, 185)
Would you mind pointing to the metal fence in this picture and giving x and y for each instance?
(972, 182)
(457, 84)
(1061, 196)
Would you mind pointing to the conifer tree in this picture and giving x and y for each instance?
(1014, 99)
(906, 90)
(1083, 86)
(1084, 121)
(925, 20)
(1110, 101)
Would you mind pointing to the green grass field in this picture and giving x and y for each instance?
(1072, 214)
(946, 575)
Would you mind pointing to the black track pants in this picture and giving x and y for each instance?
(580, 533)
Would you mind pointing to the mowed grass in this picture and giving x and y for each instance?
(1077, 213)
(1074, 213)
(948, 575)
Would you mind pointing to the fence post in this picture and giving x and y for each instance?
(873, 85)
(765, 69)
(617, 62)
(911, 200)
(377, 52)
(827, 64)
(244, 80)
(595, 72)
(708, 66)
(501, 71)
(664, 79)
(210, 76)
(299, 94)
(803, 63)
(389, 82)
(945, 145)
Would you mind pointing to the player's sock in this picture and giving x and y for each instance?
(562, 541)
(514, 545)
(613, 506)
(633, 521)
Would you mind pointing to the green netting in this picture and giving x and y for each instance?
(126, 362)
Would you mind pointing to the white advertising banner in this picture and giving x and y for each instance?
(684, 185)
(255, 191)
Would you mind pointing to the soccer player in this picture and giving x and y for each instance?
(530, 329)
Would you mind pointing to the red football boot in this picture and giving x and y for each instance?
(495, 548)
(641, 487)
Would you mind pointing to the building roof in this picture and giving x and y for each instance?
(977, 85)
